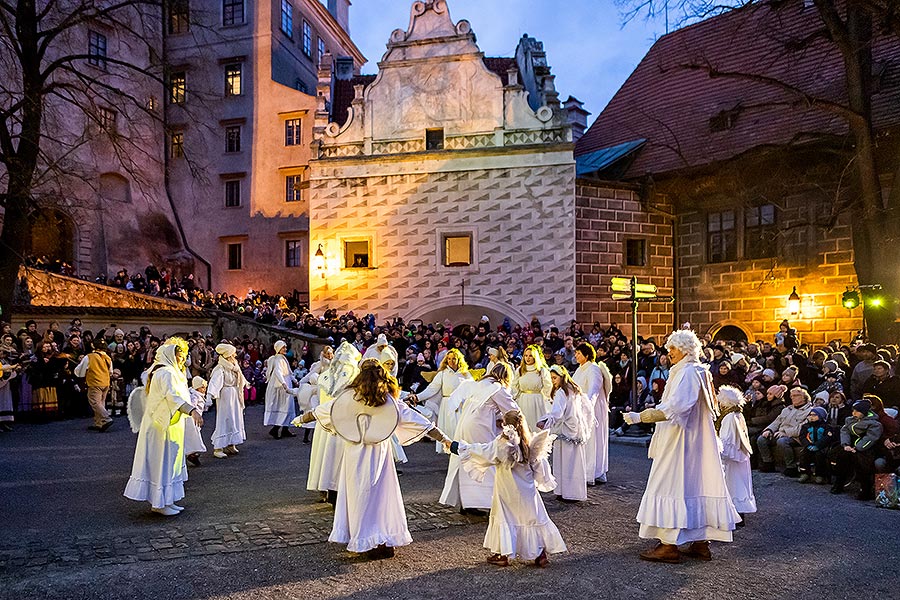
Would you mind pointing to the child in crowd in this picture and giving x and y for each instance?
(736, 450)
(519, 526)
(193, 441)
(817, 437)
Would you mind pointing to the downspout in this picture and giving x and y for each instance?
(676, 324)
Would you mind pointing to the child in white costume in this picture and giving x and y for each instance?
(193, 441)
(519, 526)
(736, 450)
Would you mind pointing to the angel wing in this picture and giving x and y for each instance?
(136, 402)
(541, 445)
(540, 448)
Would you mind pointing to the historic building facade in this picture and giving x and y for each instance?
(447, 186)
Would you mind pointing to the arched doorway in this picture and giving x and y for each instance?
(730, 333)
(52, 236)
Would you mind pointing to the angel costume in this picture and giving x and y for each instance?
(571, 420)
(482, 403)
(193, 441)
(308, 389)
(686, 498)
(736, 451)
(327, 448)
(158, 472)
(595, 382)
(280, 409)
(226, 388)
(436, 398)
(519, 526)
(532, 393)
(379, 350)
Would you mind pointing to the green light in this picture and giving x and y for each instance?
(850, 299)
(876, 301)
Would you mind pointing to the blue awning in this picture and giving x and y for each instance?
(599, 160)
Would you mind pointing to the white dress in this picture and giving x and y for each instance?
(193, 441)
(686, 499)
(482, 403)
(532, 393)
(308, 392)
(279, 392)
(595, 382)
(519, 526)
(436, 395)
(571, 421)
(226, 386)
(736, 452)
(369, 510)
(158, 472)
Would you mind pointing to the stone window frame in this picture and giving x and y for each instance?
(359, 236)
(441, 234)
(234, 183)
(231, 9)
(306, 39)
(233, 142)
(321, 50)
(301, 249)
(762, 228)
(234, 255)
(98, 46)
(647, 257)
(293, 131)
(737, 214)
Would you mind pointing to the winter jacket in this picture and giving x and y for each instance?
(888, 389)
(818, 436)
(762, 413)
(862, 433)
(791, 419)
(837, 416)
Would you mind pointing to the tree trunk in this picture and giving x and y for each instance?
(15, 244)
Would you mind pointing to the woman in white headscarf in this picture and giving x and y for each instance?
(226, 388)
(279, 393)
(158, 472)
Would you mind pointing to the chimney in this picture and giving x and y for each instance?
(576, 116)
(343, 68)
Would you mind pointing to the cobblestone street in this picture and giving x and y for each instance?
(251, 530)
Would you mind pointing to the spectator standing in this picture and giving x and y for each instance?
(95, 368)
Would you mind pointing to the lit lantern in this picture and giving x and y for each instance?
(794, 302)
(319, 261)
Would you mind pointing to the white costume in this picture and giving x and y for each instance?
(532, 393)
(308, 389)
(436, 397)
(686, 499)
(279, 392)
(158, 472)
(482, 403)
(519, 526)
(378, 349)
(595, 382)
(571, 420)
(226, 387)
(736, 451)
(327, 448)
(369, 510)
(193, 440)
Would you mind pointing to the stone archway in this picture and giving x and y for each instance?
(471, 312)
(732, 331)
(52, 236)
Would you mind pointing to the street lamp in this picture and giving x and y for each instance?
(319, 261)
(794, 302)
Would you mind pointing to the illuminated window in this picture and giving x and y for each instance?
(233, 80)
(356, 254)
(457, 250)
(177, 87)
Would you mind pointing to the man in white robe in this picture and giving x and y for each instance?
(686, 501)
(595, 382)
(280, 409)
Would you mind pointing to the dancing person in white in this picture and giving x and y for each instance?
(280, 392)
(327, 447)
(369, 515)
(158, 472)
(519, 526)
(193, 440)
(571, 420)
(532, 386)
(482, 404)
(686, 500)
(308, 388)
(452, 372)
(226, 387)
(736, 450)
(595, 381)
(377, 349)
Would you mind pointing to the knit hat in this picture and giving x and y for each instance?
(830, 365)
(382, 340)
(279, 345)
(198, 382)
(863, 406)
(777, 390)
(769, 373)
(882, 363)
(819, 412)
(823, 395)
(226, 350)
(420, 356)
(119, 332)
(736, 357)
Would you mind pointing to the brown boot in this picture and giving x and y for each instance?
(666, 553)
(698, 550)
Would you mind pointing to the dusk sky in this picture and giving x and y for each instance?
(588, 49)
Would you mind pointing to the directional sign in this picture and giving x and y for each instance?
(623, 284)
(638, 295)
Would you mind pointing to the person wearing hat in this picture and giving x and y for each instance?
(193, 440)
(883, 384)
(226, 389)
(736, 450)
(856, 453)
(380, 346)
(817, 437)
(867, 354)
(280, 392)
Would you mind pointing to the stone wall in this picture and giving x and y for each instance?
(606, 215)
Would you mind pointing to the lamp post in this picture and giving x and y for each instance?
(319, 261)
(794, 303)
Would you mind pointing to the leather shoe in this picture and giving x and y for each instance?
(666, 553)
(499, 560)
(698, 550)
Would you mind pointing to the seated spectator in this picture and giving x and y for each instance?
(817, 437)
(784, 432)
(759, 413)
(838, 410)
(884, 385)
(856, 453)
(890, 427)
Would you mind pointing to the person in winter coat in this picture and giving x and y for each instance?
(784, 432)
(817, 437)
(859, 436)
(761, 413)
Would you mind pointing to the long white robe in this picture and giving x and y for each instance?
(571, 419)
(519, 526)
(193, 440)
(279, 397)
(736, 452)
(595, 382)
(482, 403)
(532, 393)
(369, 510)
(435, 396)
(226, 387)
(308, 392)
(158, 472)
(686, 499)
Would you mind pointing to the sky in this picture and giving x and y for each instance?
(588, 48)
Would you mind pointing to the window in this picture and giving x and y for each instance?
(107, 119)
(722, 236)
(760, 232)
(233, 138)
(232, 193)
(635, 253)
(356, 254)
(235, 257)
(179, 16)
(293, 253)
(176, 144)
(232, 12)
(321, 51)
(434, 139)
(287, 18)
(292, 132)
(298, 84)
(294, 186)
(233, 85)
(177, 86)
(307, 39)
(97, 49)
(457, 250)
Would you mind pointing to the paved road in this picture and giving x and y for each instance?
(251, 530)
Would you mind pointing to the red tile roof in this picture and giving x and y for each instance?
(672, 105)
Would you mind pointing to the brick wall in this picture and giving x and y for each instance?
(606, 215)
